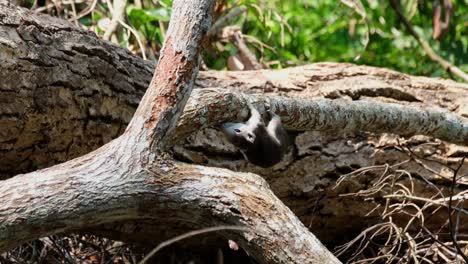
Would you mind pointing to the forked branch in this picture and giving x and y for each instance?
(131, 178)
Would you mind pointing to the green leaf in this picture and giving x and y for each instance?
(139, 16)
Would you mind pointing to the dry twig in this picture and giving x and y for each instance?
(450, 68)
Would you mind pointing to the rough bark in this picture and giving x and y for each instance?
(63, 83)
(169, 194)
(64, 93)
(133, 178)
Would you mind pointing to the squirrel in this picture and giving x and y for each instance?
(261, 145)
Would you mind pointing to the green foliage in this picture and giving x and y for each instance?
(145, 21)
(285, 33)
(140, 16)
(303, 31)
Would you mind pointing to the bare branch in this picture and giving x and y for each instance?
(165, 99)
(445, 64)
(453, 233)
(340, 116)
(132, 178)
(225, 20)
(439, 27)
(94, 190)
(118, 14)
(187, 235)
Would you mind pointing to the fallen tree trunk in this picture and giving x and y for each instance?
(64, 92)
(133, 177)
(77, 93)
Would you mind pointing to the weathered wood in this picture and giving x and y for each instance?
(109, 186)
(133, 178)
(339, 116)
(64, 92)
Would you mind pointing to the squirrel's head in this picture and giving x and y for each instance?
(240, 135)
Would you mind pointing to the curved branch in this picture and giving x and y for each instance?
(109, 185)
(445, 64)
(78, 92)
(131, 177)
(118, 14)
(439, 27)
(339, 116)
(225, 20)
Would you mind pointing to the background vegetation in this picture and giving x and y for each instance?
(290, 32)
(281, 34)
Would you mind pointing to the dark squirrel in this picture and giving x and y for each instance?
(261, 145)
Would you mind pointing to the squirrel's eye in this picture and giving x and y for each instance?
(250, 135)
(237, 130)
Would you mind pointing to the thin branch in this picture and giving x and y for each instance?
(118, 15)
(452, 233)
(225, 20)
(439, 27)
(85, 12)
(247, 57)
(426, 200)
(74, 12)
(450, 68)
(339, 116)
(137, 37)
(187, 235)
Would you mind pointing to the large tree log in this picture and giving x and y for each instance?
(64, 93)
(133, 178)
